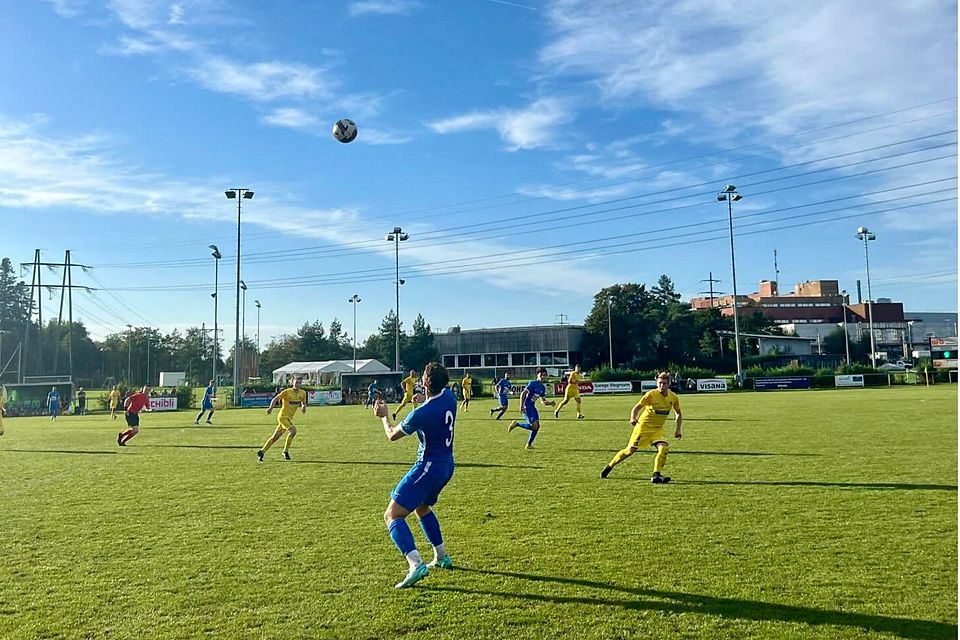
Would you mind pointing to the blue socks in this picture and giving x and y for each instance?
(431, 529)
(533, 436)
(402, 536)
(524, 425)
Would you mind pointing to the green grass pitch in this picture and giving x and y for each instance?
(828, 514)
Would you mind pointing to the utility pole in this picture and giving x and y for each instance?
(66, 290)
(776, 269)
(711, 280)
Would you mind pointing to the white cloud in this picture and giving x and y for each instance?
(262, 81)
(529, 128)
(381, 136)
(291, 118)
(382, 7)
(68, 8)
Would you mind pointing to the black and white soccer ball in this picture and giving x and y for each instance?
(345, 130)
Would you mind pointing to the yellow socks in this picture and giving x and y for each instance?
(661, 458)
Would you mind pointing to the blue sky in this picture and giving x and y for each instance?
(534, 151)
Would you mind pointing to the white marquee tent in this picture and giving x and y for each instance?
(326, 371)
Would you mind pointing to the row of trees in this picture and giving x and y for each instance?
(652, 327)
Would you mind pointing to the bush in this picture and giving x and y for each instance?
(186, 399)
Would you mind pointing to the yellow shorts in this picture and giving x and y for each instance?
(113, 406)
(407, 397)
(284, 423)
(643, 437)
(572, 391)
(467, 394)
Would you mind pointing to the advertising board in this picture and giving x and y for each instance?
(849, 380)
(781, 382)
(163, 403)
(711, 384)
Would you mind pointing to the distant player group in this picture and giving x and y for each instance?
(433, 420)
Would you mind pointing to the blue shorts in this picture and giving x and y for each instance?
(206, 406)
(54, 408)
(422, 484)
(530, 411)
(503, 399)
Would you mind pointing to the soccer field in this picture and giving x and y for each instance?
(829, 514)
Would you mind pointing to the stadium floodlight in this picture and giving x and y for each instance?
(256, 303)
(216, 284)
(846, 338)
(866, 236)
(129, 360)
(610, 327)
(397, 236)
(730, 195)
(245, 194)
(355, 299)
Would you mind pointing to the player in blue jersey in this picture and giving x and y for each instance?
(500, 391)
(207, 403)
(433, 422)
(528, 406)
(53, 403)
(372, 394)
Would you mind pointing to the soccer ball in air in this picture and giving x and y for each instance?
(345, 130)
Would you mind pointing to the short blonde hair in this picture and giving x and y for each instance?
(664, 374)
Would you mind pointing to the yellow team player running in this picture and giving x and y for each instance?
(651, 412)
(114, 401)
(408, 384)
(289, 399)
(466, 385)
(572, 392)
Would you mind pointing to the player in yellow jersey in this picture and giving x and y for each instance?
(408, 384)
(572, 392)
(289, 399)
(647, 418)
(114, 401)
(467, 385)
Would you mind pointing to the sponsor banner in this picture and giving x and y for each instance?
(252, 399)
(711, 384)
(612, 387)
(944, 364)
(781, 382)
(324, 397)
(849, 380)
(585, 386)
(647, 385)
(163, 403)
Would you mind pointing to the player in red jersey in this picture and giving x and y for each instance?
(132, 406)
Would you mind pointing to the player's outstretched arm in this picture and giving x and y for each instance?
(635, 412)
(678, 433)
(382, 411)
(273, 403)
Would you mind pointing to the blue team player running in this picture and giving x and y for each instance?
(372, 394)
(207, 403)
(433, 422)
(501, 389)
(528, 406)
(53, 403)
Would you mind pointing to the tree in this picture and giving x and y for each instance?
(15, 302)
(420, 349)
(382, 344)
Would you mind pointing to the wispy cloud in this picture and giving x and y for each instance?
(262, 81)
(292, 118)
(68, 8)
(528, 128)
(382, 7)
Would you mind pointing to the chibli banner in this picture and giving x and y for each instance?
(163, 403)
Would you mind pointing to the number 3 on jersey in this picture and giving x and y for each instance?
(448, 420)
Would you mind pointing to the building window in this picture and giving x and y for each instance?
(495, 360)
(523, 359)
(555, 358)
(449, 361)
(471, 360)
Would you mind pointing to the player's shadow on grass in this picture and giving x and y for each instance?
(841, 485)
(700, 453)
(196, 427)
(79, 452)
(200, 446)
(676, 602)
(459, 465)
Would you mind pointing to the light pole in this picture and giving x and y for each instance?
(730, 195)
(216, 283)
(243, 316)
(129, 332)
(610, 328)
(355, 299)
(397, 236)
(103, 372)
(864, 234)
(846, 337)
(256, 303)
(240, 194)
